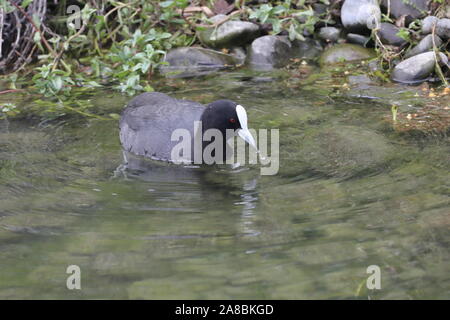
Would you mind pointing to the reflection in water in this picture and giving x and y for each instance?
(248, 201)
(203, 179)
(4, 125)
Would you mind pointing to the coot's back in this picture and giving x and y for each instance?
(148, 121)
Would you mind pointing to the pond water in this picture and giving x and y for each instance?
(350, 193)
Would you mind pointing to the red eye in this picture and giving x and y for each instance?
(232, 120)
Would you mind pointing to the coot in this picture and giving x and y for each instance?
(149, 120)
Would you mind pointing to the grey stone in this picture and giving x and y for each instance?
(269, 52)
(427, 24)
(319, 8)
(358, 39)
(412, 9)
(218, 17)
(374, 66)
(443, 28)
(426, 44)
(388, 35)
(307, 49)
(417, 68)
(229, 34)
(239, 53)
(361, 82)
(345, 150)
(330, 34)
(194, 61)
(345, 52)
(360, 15)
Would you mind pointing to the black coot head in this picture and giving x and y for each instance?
(222, 115)
(227, 114)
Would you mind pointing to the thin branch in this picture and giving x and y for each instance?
(2, 13)
(11, 91)
(436, 59)
(27, 16)
(218, 23)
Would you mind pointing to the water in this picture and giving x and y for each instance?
(350, 193)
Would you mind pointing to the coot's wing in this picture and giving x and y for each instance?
(147, 123)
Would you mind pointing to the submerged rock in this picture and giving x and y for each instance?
(443, 28)
(345, 150)
(428, 23)
(269, 52)
(412, 9)
(360, 15)
(360, 81)
(417, 68)
(229, 34)
(330, 34)
(239, 54)
(388, 35)
(426, 44)
(345, 52)
(194, 61)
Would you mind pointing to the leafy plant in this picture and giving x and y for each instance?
(137, 57)
(284, 18)
(52, 82)
(404, 34)
(8, 110)
(125, 43)
(169, 11)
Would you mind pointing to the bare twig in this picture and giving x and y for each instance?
(36, 29)
(59, 55)
(436, 59)
(218, 23)
(11, 91)
(2, 13)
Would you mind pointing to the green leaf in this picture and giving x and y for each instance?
(307, 13)
(36, 20)
(7, 7)
(149, 88)
(263, 18)
(276, 26)
(115, 116)
(166, 4)
(93, 84)
(25, 3)
(404, 34)
(279, 9)
(37, 37)
(57, 83)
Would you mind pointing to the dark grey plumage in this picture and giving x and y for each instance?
(148, 121)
